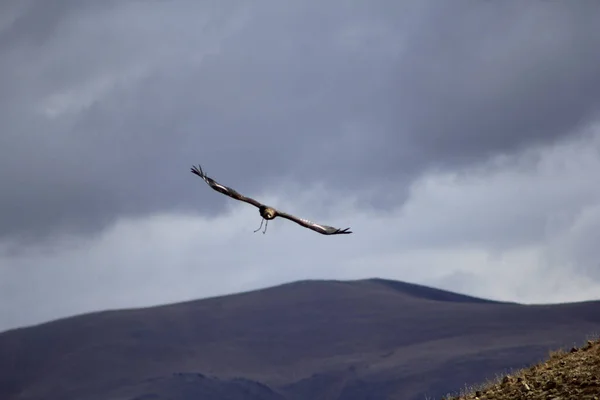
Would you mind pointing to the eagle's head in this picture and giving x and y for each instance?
(267, 212)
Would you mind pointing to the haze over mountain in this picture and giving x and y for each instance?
(373, 338)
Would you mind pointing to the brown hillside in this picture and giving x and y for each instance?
(319, 340)
(573, 375)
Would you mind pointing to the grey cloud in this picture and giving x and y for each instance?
(33, 22)
(489, 78)
(363, 99)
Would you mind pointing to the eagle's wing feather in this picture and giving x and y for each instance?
(323, 229)
(223, 189)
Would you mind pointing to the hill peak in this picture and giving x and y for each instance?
(408, 290)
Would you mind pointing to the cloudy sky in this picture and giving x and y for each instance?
(459, 140)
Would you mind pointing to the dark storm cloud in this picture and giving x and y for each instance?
(104, 110)
(486, 78)
(33, 21)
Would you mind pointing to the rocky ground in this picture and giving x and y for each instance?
(566, 375)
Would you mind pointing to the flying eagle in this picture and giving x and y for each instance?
(267, 213)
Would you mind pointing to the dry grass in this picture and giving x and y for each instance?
(566, 375)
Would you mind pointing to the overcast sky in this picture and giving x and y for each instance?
(459, 140)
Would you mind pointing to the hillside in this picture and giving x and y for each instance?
(572, 375)
(310, 339)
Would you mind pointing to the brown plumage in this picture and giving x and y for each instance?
(266, 212)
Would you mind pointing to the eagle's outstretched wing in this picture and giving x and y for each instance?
(323, 229)
(223, 189)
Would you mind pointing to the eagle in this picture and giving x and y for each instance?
(267, 213)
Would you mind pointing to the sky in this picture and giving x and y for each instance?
(460, 141)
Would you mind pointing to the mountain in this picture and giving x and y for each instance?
(572, 375)
(367, 339)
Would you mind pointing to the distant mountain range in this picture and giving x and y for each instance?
(307, 340)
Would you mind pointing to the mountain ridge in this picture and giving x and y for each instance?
(311, 336)
(410, 289)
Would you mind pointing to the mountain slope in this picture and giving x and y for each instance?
(329, 339)
(573, 375)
